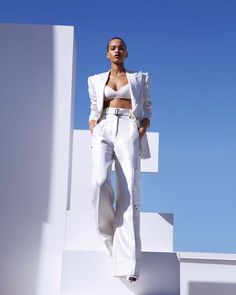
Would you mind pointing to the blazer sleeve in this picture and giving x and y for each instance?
(147, 103)
(94, 113)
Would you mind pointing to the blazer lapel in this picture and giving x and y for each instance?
(101, 82)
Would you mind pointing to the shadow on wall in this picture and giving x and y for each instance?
(168, 217)
(26, 112)
(200, 288)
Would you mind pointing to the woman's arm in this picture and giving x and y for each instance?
(94, 114)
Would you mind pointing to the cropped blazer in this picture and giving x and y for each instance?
(140, 98)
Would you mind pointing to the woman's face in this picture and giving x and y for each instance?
(117, 51)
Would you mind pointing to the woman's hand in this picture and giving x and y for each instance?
(143, 127)
(92, 124)
(141, 131)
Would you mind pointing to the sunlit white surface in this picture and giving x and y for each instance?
(36, 121)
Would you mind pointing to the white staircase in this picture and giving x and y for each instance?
(86, 267)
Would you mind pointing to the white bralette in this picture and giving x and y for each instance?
(123, 92)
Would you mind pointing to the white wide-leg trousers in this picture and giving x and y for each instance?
(116, 138)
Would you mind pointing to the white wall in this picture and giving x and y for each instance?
(36, 123)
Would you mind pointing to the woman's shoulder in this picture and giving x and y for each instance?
(99, 74)
(98, 78)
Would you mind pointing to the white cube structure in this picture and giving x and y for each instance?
(37, 66)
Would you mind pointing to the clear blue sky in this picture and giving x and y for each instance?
(189, 49)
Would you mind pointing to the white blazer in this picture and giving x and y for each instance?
(140, 98)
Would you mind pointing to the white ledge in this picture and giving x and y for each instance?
(185, 256)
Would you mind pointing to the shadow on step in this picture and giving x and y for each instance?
(160, 275)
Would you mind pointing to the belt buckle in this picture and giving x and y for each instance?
(116, 112)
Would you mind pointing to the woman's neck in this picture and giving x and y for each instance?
(117, 69)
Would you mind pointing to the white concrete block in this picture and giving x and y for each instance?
(82, 167)
(90, 273)
(207, 273)
(37, 64)
(81, 231)
(156, 231)
(81, 171)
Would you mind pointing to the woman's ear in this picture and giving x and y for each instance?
(107, 56)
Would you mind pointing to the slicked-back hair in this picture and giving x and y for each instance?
(118, 39)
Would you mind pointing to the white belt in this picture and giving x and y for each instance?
(118, 112)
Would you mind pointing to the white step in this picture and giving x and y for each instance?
(156, 231)
(90, 273)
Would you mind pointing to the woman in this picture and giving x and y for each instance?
(120, 115)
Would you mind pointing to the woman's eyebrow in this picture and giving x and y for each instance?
(119, 46)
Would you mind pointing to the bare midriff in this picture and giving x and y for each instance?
(123, 103)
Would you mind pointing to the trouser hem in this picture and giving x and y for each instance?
(125, 269)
